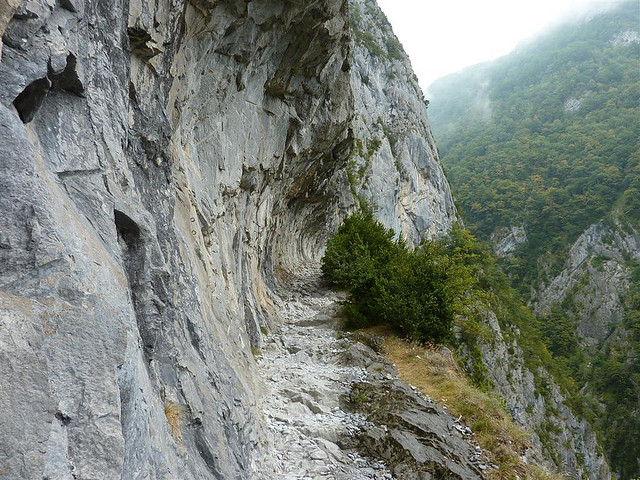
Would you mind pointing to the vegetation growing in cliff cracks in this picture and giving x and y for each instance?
(387, 47)
(426, 290)
(174, 414)
(612, 375)
(452, 281)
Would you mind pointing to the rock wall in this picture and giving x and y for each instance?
(536, 401)
(394, 165)
(594, 280)
(505, 240)
(163, 164)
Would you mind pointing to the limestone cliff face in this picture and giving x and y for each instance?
(394, 165)
(596, 276)
(538, 403)
(162, 164)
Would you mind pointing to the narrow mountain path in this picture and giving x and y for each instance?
(306, 376)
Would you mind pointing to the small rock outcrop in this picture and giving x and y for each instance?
(416, 437)
(505, 241)
(625, 38)
(595, 276)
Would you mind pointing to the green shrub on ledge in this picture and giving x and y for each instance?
(420, 291)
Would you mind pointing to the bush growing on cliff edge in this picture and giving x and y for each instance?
(355, 254)
(414, 292)
(421, 291)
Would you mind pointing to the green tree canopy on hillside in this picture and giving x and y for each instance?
(547, 137)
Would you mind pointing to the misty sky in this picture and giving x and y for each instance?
(444, 36)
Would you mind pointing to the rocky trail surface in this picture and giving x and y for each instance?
(307, 380)
(318, 430)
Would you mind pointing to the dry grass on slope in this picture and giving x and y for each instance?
(436, 373)
(174, 413)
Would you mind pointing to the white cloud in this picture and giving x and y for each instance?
(444, 36)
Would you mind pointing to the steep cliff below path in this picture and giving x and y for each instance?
(536, 401)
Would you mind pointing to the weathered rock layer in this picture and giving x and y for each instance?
(594, 280)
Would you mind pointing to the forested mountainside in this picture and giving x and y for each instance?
(542, 148)
(386, 168)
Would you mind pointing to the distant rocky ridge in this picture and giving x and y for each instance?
(596, 276)
(164, 165)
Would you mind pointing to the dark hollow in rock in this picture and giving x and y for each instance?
(70, 5)
(64, 419)
(29, 101)
(141, 43)
(68, 79)
(128, 234)
(132, 247)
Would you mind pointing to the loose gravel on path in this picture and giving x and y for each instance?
(301, 366)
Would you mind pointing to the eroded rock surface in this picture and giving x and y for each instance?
(595, 276)
(394, 165)
(506, 240)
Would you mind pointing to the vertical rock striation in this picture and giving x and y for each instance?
(394, 165)
(537, 402)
